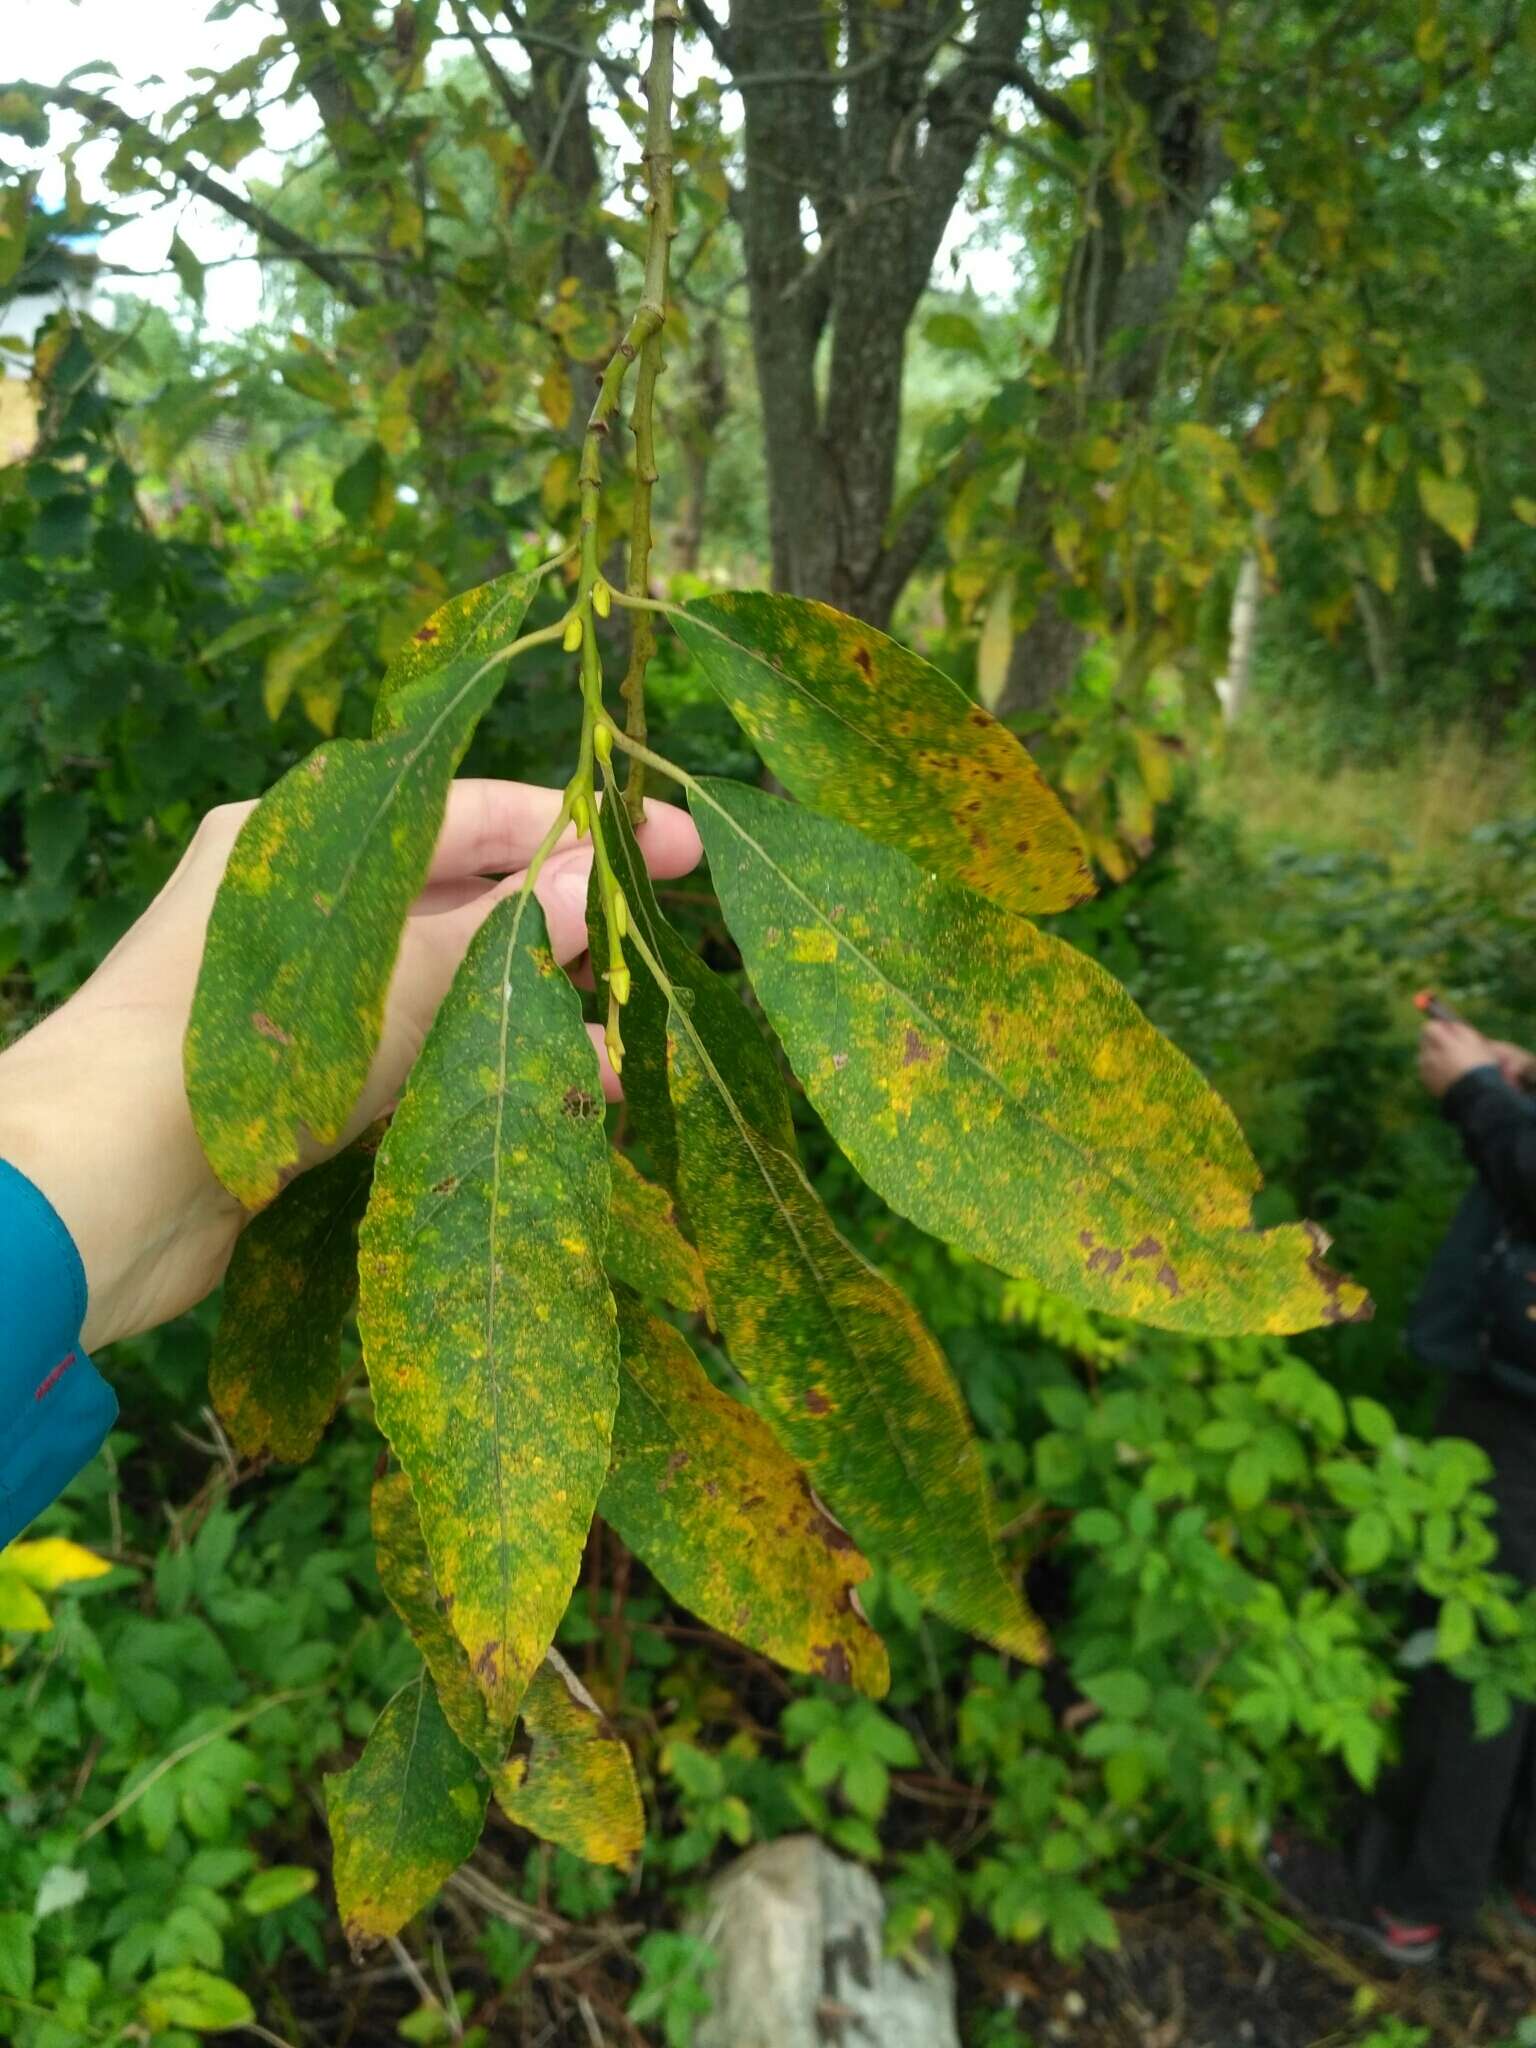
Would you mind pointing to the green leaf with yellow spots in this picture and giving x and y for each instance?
(277, 1374)
(864, 729)
(469, 630)
(487, 1322)
(404, 1817)
(839, 1364)
(405, 1573)
(307, 922)
(999, 1088)
(646, 1248)
(577, 1785)
(703, 1494)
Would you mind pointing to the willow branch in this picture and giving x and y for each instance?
(658, 249)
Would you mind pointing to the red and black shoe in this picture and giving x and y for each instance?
(1518, 1910)
(1316, 1880)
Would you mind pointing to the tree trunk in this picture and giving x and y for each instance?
(1121, 278)
(1243, 632)
(707, 401)
(881, 180)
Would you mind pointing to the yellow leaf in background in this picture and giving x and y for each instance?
(558, 486)
(392, 423)
(1524, 509)
(321, 699)
(1382, 559)
(1453, 454)
(20, 1606)
(1103, 453)
(290, 658)
(556, 396)
(1429, 40)
(1323, 489)
(1452, 505)
(995, 647)
(1156, 764)
(52, 1561)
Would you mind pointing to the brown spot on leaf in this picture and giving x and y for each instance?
(1149, 1248)
(1105, 1260)
(488, 1663)
(830, 1660)
(261, 1022)
(424, 634)
(816, 1401)
(979, 717)
(1086, 1239)
(915, 1053)
(839, 1060)
(675, 1464)
(580, 1103)
(1332, 1284)
(1022, 845)
(445, 1187)
(1166, 1277)
(863, 663)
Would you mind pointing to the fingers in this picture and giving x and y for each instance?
(493, 828)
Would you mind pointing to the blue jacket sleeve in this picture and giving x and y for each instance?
(55, 1407)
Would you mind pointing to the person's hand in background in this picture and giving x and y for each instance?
(1448, 1049)
(1516, 1064)
(93, 1107)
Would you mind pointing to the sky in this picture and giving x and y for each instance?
(153, 47)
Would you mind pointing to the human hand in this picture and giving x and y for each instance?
(1447, 1050)
(1516, 1064)
(93, 1106)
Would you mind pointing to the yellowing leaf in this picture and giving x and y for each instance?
(706, 1499)
(488, 1326)
(1524, 510)
(277, 1376)
(576, 1786)
(995, 646)
(840, 1365)
(20, 1608)
(52, 1561)
(646, 1249)
(862, 728)
(301, 944)
(999, 1088)
(556, 396)
(1323, 489)
(404, 1817)
(1451, 504)
(292, 657)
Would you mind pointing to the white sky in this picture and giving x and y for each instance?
(154, 45)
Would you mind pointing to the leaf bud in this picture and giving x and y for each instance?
(602, 598)
(618, 912)
(571, 638)
(618, 982)
(581, 816)
(602, 742)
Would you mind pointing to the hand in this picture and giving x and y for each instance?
(1449, 1050)
(92, 1103)
(1516, 1064)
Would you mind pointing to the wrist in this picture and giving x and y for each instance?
(93, 1111)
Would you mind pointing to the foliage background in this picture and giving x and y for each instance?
(205, 559)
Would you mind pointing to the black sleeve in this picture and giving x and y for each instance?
(1498, 1129)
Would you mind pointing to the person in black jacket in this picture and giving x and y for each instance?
(1460, 1812)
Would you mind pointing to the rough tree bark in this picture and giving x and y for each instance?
(1122, 274)
(879, 175)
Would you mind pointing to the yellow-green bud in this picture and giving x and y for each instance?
(616, 1052)
(618, 982)
(571, 639)
(618, 914)
(602, 598)
(602, 742)
(581, 816)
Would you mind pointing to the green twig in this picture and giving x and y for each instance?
(661, 227)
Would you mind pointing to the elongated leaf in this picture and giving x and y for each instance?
(839, 1362)
(405, 1573)
(458, 637)
(277, 1374)
(488, 1327)
(999, 1088)
(404, 1817)
(704, 1496)
(866, 730)
(577, 1785)
(646, 1249)
(306, 925)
